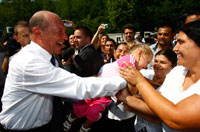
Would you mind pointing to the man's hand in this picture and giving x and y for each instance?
(122, 94)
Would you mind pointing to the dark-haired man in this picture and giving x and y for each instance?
(129, 32)
(165, 36)
(89, 60)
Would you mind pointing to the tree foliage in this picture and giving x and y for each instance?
(144, 14)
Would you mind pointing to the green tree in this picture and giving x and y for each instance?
(120, 12)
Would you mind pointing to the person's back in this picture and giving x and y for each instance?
(2, 76)
(87, 62)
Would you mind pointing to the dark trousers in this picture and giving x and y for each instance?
(45, 128)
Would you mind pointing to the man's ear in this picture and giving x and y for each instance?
(88, 39)
(36, 31)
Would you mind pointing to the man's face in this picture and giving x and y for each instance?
(54, 36)
(129, 35)
(23, 36)
(109, 48)
(80, 39)
(165, 35)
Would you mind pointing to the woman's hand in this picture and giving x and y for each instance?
(101, 28)
(73, 25)
(131, 75)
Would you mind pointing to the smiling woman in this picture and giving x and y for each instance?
(178, 104)
(165, 61)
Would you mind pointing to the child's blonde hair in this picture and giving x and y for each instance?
(144, 47)
(131, 44)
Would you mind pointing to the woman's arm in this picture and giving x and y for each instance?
(134, 103)
(95, 38)
(184, 115)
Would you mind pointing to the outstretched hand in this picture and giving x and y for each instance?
(130, 74)
(122, 94)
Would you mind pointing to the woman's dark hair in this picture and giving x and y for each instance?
(192, 30)
(170, 55)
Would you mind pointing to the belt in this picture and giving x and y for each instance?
(38, 129)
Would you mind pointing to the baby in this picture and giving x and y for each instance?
(139, 57)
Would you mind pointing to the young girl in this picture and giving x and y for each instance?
(139, 57)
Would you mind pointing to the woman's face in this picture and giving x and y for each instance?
(103, 42)
(120, 51)
(161, 65)
(187, 51)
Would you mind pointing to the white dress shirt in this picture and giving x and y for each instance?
(32, 81)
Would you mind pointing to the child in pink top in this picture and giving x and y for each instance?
(92, 108)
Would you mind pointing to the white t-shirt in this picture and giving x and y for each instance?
(140, 123)
(172, 88)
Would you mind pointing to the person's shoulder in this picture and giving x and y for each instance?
(88, 46)
(88, 49)
(176, 72)
(153, 46)
(178, 69)
(148, 73)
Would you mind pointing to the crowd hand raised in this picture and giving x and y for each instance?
(130, 74)
(73, 25)
(101, 28)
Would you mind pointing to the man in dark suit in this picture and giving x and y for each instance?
(89, 60)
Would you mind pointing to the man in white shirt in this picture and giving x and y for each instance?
(32, 79)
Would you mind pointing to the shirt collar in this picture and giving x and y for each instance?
(85, 47)
(44, 53)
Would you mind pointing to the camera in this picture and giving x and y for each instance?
(12, 46)
(67, 24)
(105, 26)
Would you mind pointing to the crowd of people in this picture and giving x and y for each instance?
(90, 82)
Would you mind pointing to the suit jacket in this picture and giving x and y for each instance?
(87, 62)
